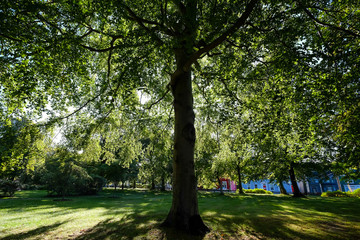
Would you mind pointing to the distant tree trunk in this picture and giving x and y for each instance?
(338, 182)
(305, 189)
(134, 184)
(220, 185)
(282, 189)
(122, 185)
(184, 213)
(296, 189)
(241, 191)
(163, 183)
(115, 185)
(152, 184)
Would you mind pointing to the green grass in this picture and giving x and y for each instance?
(137, 215)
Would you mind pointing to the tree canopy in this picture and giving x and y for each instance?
(286, 71)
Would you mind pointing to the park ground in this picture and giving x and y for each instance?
(137, 214)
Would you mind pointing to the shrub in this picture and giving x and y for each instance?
(257, 190)
(356, 193)
(8, 187)
(237, 191)
(335, 194)
(95, 185)
(31, 187)
(63, 175)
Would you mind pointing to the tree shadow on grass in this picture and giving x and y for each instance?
(34, 232)
(269, 217)
(105, 200)
(133, 227)
(231, 216)
(344, 207)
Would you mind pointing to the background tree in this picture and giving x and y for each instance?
(63, 174)
(237, 151)
(205, 152)
(156, 163)
(20, 147)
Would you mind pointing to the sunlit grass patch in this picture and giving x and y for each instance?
(137, 214)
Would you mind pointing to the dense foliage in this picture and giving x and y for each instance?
(257, 190)
(355, 193)
(8, 187)
(63, 175)
(274, 86)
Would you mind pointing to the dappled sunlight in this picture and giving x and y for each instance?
(209, 213)
(39, 232)
(146, 224)
(194, 97)
(138, 215)
(275, 216)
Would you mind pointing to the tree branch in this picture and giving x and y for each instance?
(330, 25)
(100, 50)
(141, 22)
(114, 47)
(91, 29)
(86, 34)
(240, 22)
(44, 20)
(11, 38)
(90, 100)
(160, 99)
(181, 6)
(259, 28)
(109, 58)
(80, 108)
(230, 92)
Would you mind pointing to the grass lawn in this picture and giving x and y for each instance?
(136, 214)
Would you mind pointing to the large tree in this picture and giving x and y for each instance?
(175, 33)
(93, 55)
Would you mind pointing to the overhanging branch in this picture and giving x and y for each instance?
(330, 25)
(240, 22)
(160, 99)
(100, 50)
(142, 22)
(10, 37)
(80, 108)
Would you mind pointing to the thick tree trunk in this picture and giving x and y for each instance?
(241, 191)
(282, 188)
(134, 184)
(184, 213)
(122, 185)
(296, 189)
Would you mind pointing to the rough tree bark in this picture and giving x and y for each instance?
(296, 189)
(184, 213)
